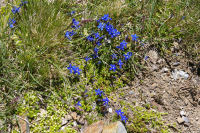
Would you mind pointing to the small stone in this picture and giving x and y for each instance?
(78, 117)
(164, 70)
(185, 119)
(74, 123)
(74, 115)
(110, 110)
(180, 120)
(81, 121)
(116, 127)
(182, 113)
(154, 68)
(176, 63)
(131, 92)
(68, 117)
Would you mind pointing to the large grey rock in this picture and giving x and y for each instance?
(101, 127)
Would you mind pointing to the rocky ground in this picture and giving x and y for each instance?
(178, 95)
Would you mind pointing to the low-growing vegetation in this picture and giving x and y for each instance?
(67, 56)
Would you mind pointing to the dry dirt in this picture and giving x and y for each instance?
(158, 88)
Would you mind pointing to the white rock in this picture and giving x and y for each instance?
(182, 113)
(110, 110)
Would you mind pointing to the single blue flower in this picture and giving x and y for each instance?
(109, 27)
(120, 63)
(76, 70)
(79, 104)
(72, 12)
(98, 43)
(90, 38)
(134, 37)
(101, 26)
(127, 56)
(106, 17)
(68, 35)
(114, 33)
(146, 57)
(114, 56)
(87, 58)
(70, 68)
(23, 3)
(106, 101)
(15, 9)
(123, 118)
(11, 23)
(96, 35)
(72, 33)
(119, 112)
(75, 24)
(113, 67)
(98, 92)
(123, 45)
(96, 50)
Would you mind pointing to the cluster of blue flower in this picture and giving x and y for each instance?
(121, 114)
(75, 25)
(103, 24)
(14, 11)
(74, 69)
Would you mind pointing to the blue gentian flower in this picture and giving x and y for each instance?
(68, 35)
(90, 38)
(114, 33)
(106, 101)
(70, 68)
(97, 35)
(123, 45)
(109, 27)
(23, 3)
(119, 112)
(72, 12)
(87, 58)
(76, 70)
(15, 9)
(113, 67)
(75, 24)
(120, 63)
(134, 37)
(146, 57)
(114, 56)
(98, 92)
(96, 50)
(101, 26)
(11, 23)
(106, 17)
(128, 55)
(98, 43)
(123, 118)
(79, 104)
(72, 33)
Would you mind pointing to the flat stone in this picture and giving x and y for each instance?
(116, 127)
(68, 117)
(74, 115)
(96, 127)
(185, 119)
(180, 120)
